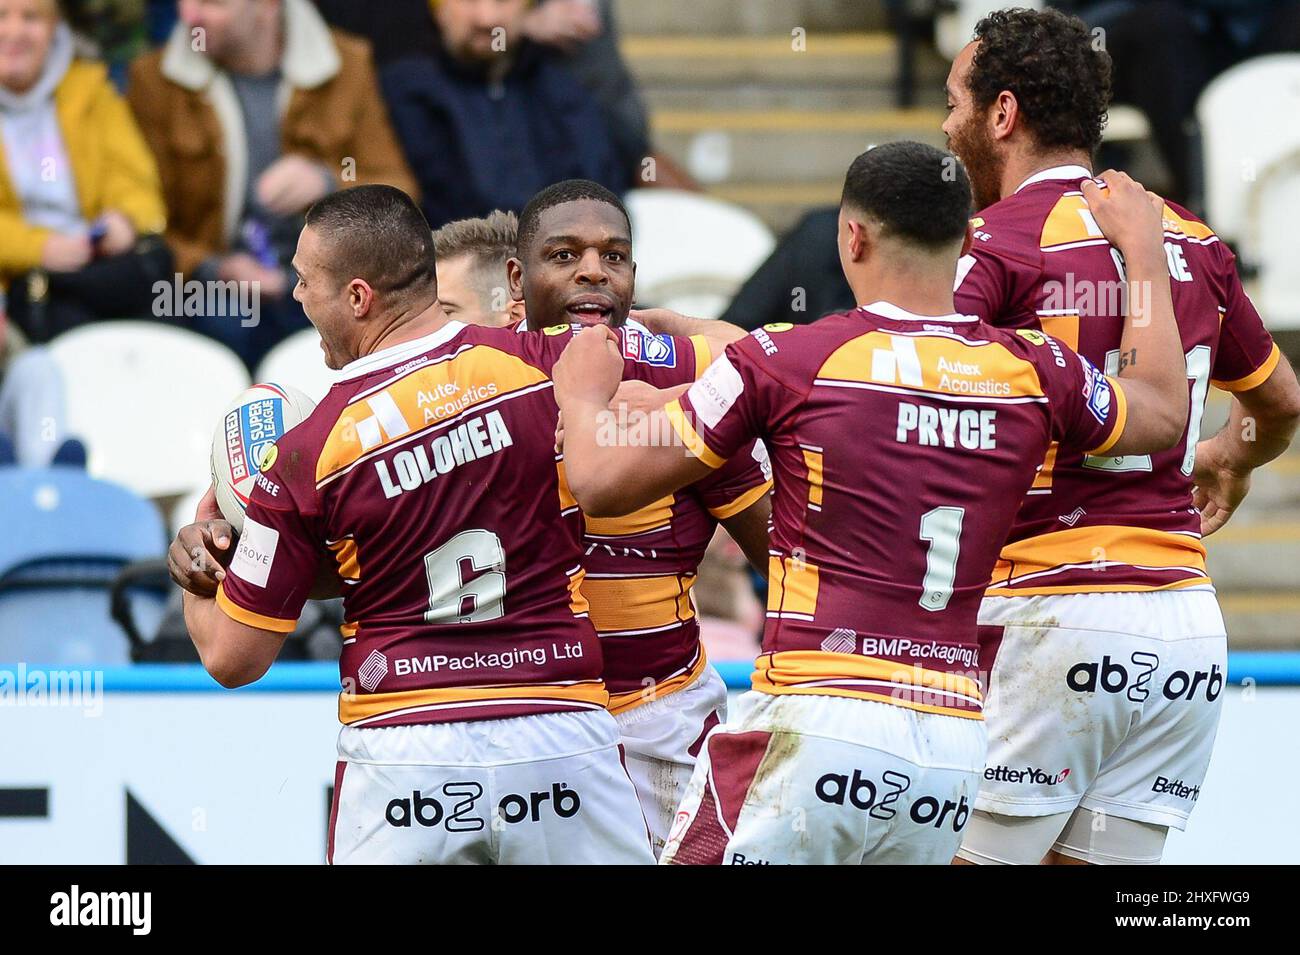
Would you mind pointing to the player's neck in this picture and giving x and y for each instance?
(403, 327)
(1021, 167)
(919, 291)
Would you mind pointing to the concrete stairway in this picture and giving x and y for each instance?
(766, 102)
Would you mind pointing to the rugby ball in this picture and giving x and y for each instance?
(244, 440)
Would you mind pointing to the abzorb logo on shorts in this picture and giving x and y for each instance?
(250, 430)
(657, 350)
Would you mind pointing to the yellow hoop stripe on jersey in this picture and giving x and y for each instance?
(1026, 567)
(945, 365)
(623, 604)
(791, 587)
(813, 462)
(420, 400)
(703, 354)
(357, 708)
(816, 672)
(1121, 417)
(690, 437)
(345, 554)
(652, 517)
(1256, 377)
(260, 621)
(622, 702)
(577, 597)
(741, 502)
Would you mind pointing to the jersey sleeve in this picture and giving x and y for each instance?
(275, 562)
(664, 361)
(736, 485)
(996, 283)
(728, 408)
(1247, 353)
(1088, 409)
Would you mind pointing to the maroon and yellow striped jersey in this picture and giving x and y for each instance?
(428, 478)
(1094, 522)
(640, 573)
(901, 448)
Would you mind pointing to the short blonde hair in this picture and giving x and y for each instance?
(491, 240)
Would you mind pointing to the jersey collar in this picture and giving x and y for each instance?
(1056, 172)
(895, 314)
(396, 354)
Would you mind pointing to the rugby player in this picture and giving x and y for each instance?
(903, 436)
(475, 721)
(472, 256)
(1105, 693)
(575, 265)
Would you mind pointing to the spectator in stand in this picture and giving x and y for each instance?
(255, 109)
(488, 117)
(32, 409)
(1165, 52)
(79, 192)
(472, 256)
(583, 31)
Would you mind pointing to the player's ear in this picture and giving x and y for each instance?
(1005, 115)
(515, 278)
(360, 297)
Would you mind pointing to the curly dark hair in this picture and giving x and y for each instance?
(1049, 60)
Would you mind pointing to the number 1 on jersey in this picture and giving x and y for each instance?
(941, 529)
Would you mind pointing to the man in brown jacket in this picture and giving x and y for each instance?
(255, 109)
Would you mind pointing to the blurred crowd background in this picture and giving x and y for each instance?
(149, 148)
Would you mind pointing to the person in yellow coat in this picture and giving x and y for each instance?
(80, 199)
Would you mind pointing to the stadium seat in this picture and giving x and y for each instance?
(1275, 209)
(692, 251)
(1125, 124)
(298, 361)
(146, 399)
(66, 538)
(1242, 146)
(953, 29)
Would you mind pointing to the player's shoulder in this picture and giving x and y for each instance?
(789, 347)
(1179, 223)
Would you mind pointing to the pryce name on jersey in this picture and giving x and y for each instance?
(414, 467)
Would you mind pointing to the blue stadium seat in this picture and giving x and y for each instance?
(65, 538)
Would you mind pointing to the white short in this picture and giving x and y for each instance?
(533, 790)
(661, 740)
(827, 780)
(1108, 702)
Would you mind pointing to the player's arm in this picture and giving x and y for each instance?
(234, 653)
(664, 321)
(613, 467)
(1154, 371)
(1260, 427)
(748, 528)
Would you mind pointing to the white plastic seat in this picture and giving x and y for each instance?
(693, 250)
(1270, 239)
(1126, 124)
(299, 361)
(955, 28)
(146, 398)
(1250, 121)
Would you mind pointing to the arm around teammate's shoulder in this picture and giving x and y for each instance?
(1153, 370)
